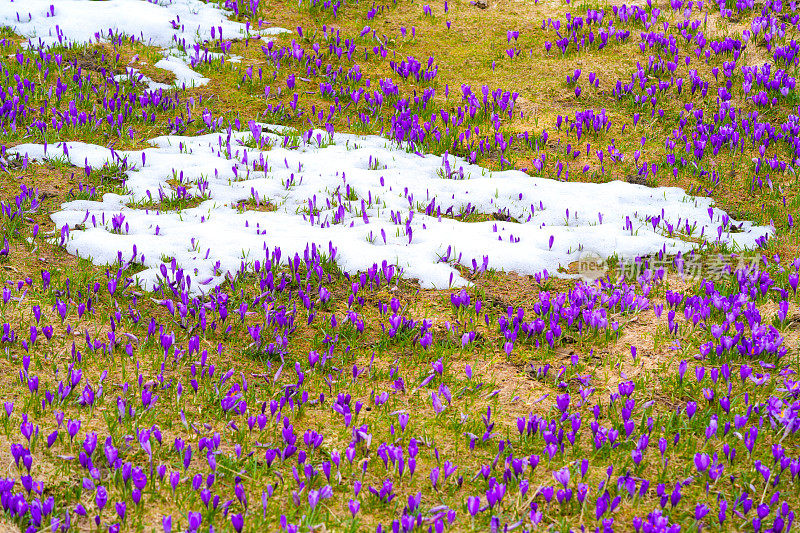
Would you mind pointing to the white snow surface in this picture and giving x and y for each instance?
(157, 22)
(214, 238)
(161, 23)
(184, 76)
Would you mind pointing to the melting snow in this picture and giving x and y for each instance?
(161, 23)
(382, 218)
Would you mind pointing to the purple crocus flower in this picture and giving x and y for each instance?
(701, 461)
(562, 476)
(237, 521)
(700, 511)
(437, 403)
(473, 505)
(354, 506)
(120, 508)
(562, 402)
(101, 497)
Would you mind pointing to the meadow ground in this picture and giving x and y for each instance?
(659, 397)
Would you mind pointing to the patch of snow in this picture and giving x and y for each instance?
(184, 76)
(158, 22)
(162, 23)
(135, 75)
(382, 218)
